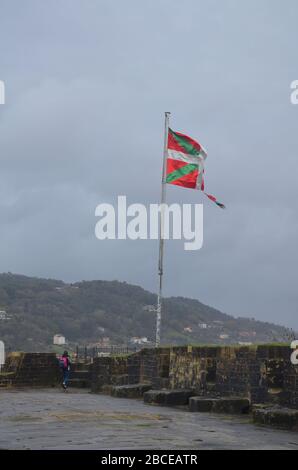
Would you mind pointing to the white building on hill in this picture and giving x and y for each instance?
(139, 340)
(59, 340)
(4, 316)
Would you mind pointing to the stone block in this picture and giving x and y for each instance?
(130, 391)
(168, 397)
(199, 404)
(229, 405)
(276, 416)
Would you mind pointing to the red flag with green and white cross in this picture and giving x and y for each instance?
(185, 163)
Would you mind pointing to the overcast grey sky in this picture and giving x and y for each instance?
(87, 83)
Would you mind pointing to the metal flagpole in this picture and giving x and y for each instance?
(161, 230)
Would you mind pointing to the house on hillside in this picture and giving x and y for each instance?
(139, 340)
(149, 308)
(104, 342)
(217, 324)
(4, 316)
(246, 334)
(224, 336)
(59, 340)
(187, 329)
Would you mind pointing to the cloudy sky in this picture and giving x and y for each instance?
(87, 83)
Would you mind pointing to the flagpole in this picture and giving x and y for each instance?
(161, 230)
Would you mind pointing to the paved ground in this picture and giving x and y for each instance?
(52, 419)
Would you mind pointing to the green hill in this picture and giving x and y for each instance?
(84, 312)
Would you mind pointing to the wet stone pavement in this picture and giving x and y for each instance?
(52, 419)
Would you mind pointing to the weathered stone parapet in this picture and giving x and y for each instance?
(276, 416)
(109, 371)
(193, 367)
(238, 373)
(30, 369)
(261, 374)
(149, 366)
(290, 386)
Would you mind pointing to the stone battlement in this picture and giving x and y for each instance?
(263, 374)
(30, 370)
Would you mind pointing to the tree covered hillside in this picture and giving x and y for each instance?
(84, 312)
